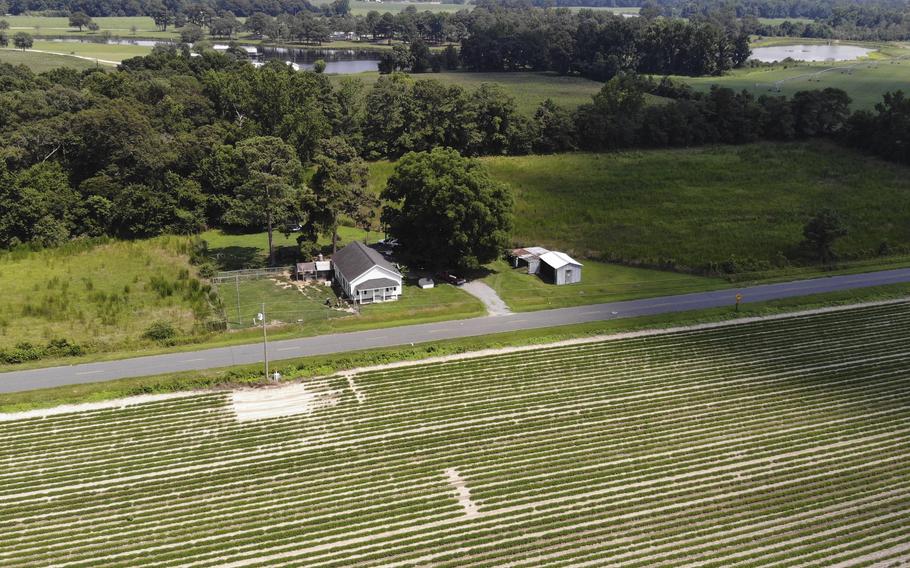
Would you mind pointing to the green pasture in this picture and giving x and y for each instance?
(99, 295)
(41, 62)
(690, 207)
(529, 88)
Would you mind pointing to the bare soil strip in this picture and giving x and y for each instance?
(462, 492)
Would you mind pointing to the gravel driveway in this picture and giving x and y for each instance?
(489, 297)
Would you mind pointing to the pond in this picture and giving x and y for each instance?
(809, 53)
(339, 61)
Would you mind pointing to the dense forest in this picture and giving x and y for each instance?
(169, 143)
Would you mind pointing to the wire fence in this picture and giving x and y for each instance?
(250, 274)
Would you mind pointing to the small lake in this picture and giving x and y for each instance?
(809, 53)
(338, 61)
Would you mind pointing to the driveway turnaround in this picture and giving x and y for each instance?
(393, 336)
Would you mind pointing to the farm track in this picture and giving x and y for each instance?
(774, 443)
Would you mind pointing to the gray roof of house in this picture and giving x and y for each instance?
(356, 258)
(374, 283)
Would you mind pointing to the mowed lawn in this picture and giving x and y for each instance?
(41, 62)
(865, 80)
(601, 282)
(100, 295)
(306, 308)
(697, 206)
(529, 89)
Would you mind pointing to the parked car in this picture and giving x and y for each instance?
(450, 278)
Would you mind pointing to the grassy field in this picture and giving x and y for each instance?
(118, 26)
(775, 442)
(41, 62)
(697, 206)
(101, 51)
(864, 80)
(778, 21)
(100, 296)
(362, 8)
(529, 89)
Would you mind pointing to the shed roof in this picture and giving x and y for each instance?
(304, 267)
(374, 283)
(529, 252)
(356, 258)
(558, 259)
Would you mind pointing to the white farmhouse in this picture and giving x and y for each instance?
(365, 276)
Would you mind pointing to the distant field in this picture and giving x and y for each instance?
(118, 26)
(529, 89)
(865, 80)
(102, 295)
(361, 8)
(101, 51)
(773, 443)
(40, 62)
(778, 21)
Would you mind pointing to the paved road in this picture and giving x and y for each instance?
(342, 342)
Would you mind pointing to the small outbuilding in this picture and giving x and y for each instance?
(528, 256)
(560, 268)
(316, 270)
(365, 276)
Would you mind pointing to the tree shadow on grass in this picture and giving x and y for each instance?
(237, 257)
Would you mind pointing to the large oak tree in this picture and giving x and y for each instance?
(446, 210)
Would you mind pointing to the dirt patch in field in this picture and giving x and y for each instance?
(462, 493)
(280, 400)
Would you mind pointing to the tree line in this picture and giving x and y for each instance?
(170, 143)
(883, 20)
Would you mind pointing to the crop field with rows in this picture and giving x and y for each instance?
(782, 442)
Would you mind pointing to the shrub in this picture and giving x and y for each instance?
(160, 331)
